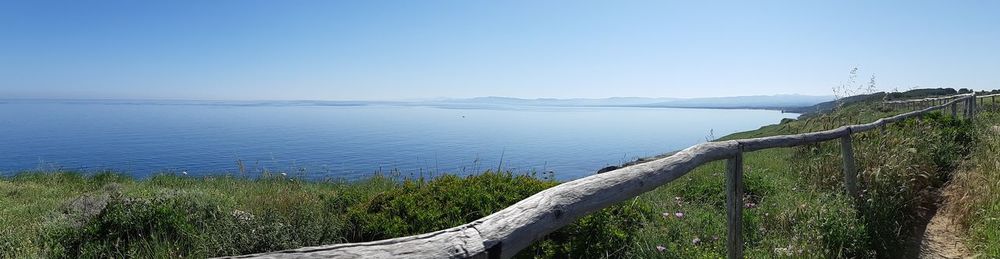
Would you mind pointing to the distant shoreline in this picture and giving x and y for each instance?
(311, 103)
(781, 109)
(781, 102)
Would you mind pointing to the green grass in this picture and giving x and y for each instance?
(783, 212)
(795, 205)
(57, 214)
(976, 186)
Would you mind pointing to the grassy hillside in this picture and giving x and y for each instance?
(827, 107)
(795, 206)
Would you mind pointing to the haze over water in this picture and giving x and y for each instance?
(348, 142)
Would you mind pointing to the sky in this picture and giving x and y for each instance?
(397, 50)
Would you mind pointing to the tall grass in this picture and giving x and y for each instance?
(975, 190)
(782, 214)
(794, 204)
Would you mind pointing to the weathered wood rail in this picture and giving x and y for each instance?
(939, 98)
(915, 103)
(504, 233)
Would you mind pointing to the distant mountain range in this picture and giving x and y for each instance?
(777, 102)
(772, 102)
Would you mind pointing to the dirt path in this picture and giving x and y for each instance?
(942, 238)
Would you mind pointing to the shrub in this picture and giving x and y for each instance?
(180, 222)
(420, 206)
(137, 228)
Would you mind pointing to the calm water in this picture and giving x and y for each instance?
(320, 142)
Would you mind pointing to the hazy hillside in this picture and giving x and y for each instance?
(910, 94)
(613, 101)
(760, 101)
(756, 102)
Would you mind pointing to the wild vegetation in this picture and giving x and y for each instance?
(975, 190)
(794, 204)
(108, 215)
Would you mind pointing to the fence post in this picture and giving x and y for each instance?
(965, 110)
(850, 172)
(975, 104)
(954, 110)
(972, 107)
(734, 204)
(968, 108)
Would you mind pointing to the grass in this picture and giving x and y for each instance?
(109, 215)
(779, 211)
(976, 186)
(794, 204)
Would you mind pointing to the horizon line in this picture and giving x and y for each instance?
(389, 100)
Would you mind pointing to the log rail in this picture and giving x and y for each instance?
(504, 233)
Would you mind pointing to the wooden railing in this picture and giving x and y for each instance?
(504, 233)
(923, 102)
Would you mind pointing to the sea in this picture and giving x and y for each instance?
(346, 141)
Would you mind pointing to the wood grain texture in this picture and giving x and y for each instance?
(734, 206)
(954, 110)
(850, 171)
(968, 107)
(972, 107)
(930, 99)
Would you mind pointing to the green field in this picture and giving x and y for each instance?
(794, 203)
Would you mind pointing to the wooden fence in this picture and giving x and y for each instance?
(504, 233)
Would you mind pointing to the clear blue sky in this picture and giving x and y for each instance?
(425, 49)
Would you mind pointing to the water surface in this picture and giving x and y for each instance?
(346, 141)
